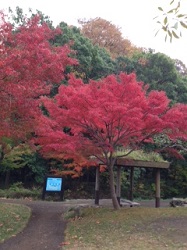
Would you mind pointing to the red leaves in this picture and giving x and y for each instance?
(157, 102)
(176, 120)
(105, 114)
(174, 153)
(28, 68)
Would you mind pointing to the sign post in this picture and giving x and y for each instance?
(53, 184)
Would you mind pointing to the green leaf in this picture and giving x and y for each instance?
(177, 10)
(169, 33)
(160, 8)
(165, 20)
(157, 32)
(174, 34)
(179, 4)
(184, 25)
(166, 37)
(155, 17)
(180, 15)
(164, 28)
(170, 11)
(171, 2)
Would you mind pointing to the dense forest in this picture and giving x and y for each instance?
(34, 67)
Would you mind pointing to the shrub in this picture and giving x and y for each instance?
(18, 191)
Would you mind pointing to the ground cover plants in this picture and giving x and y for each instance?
(17, 191)
(13, 218)
(128, 228)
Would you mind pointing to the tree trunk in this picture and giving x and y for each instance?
(112, 188)
(7, 179)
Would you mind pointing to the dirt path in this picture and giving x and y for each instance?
(45, 229)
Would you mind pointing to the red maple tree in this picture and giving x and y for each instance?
(93, 120)
(29, 65)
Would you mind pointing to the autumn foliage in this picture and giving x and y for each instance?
(29, 65)
(84, 124)
(91, 121)
(113, 112)
(107, 35)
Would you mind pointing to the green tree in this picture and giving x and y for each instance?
(22, 163)
(94, 62)
(158, 71)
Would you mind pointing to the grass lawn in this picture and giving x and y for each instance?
(129, 228)
(13, 218)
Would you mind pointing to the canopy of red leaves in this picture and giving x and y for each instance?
(29, 65)
(103, 115)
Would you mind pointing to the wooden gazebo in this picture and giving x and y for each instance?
(120, 162)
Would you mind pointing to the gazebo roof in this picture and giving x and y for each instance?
(140, 159)
(121, 162)
(141, 164)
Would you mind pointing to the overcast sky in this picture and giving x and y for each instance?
(135, 17)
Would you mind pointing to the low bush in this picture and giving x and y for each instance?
(17, 191)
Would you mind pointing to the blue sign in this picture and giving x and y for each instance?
(54, 184)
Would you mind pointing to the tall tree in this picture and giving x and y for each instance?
(94, 61)
(159, 71)
(107, 35)
(102, 116)
(28, 68)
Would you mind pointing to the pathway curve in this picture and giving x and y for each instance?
(45, 229)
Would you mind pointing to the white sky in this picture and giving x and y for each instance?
(135, 17)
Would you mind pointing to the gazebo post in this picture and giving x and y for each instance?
(118, 184)
(131, 183)
(157, 182)
(97, 185)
